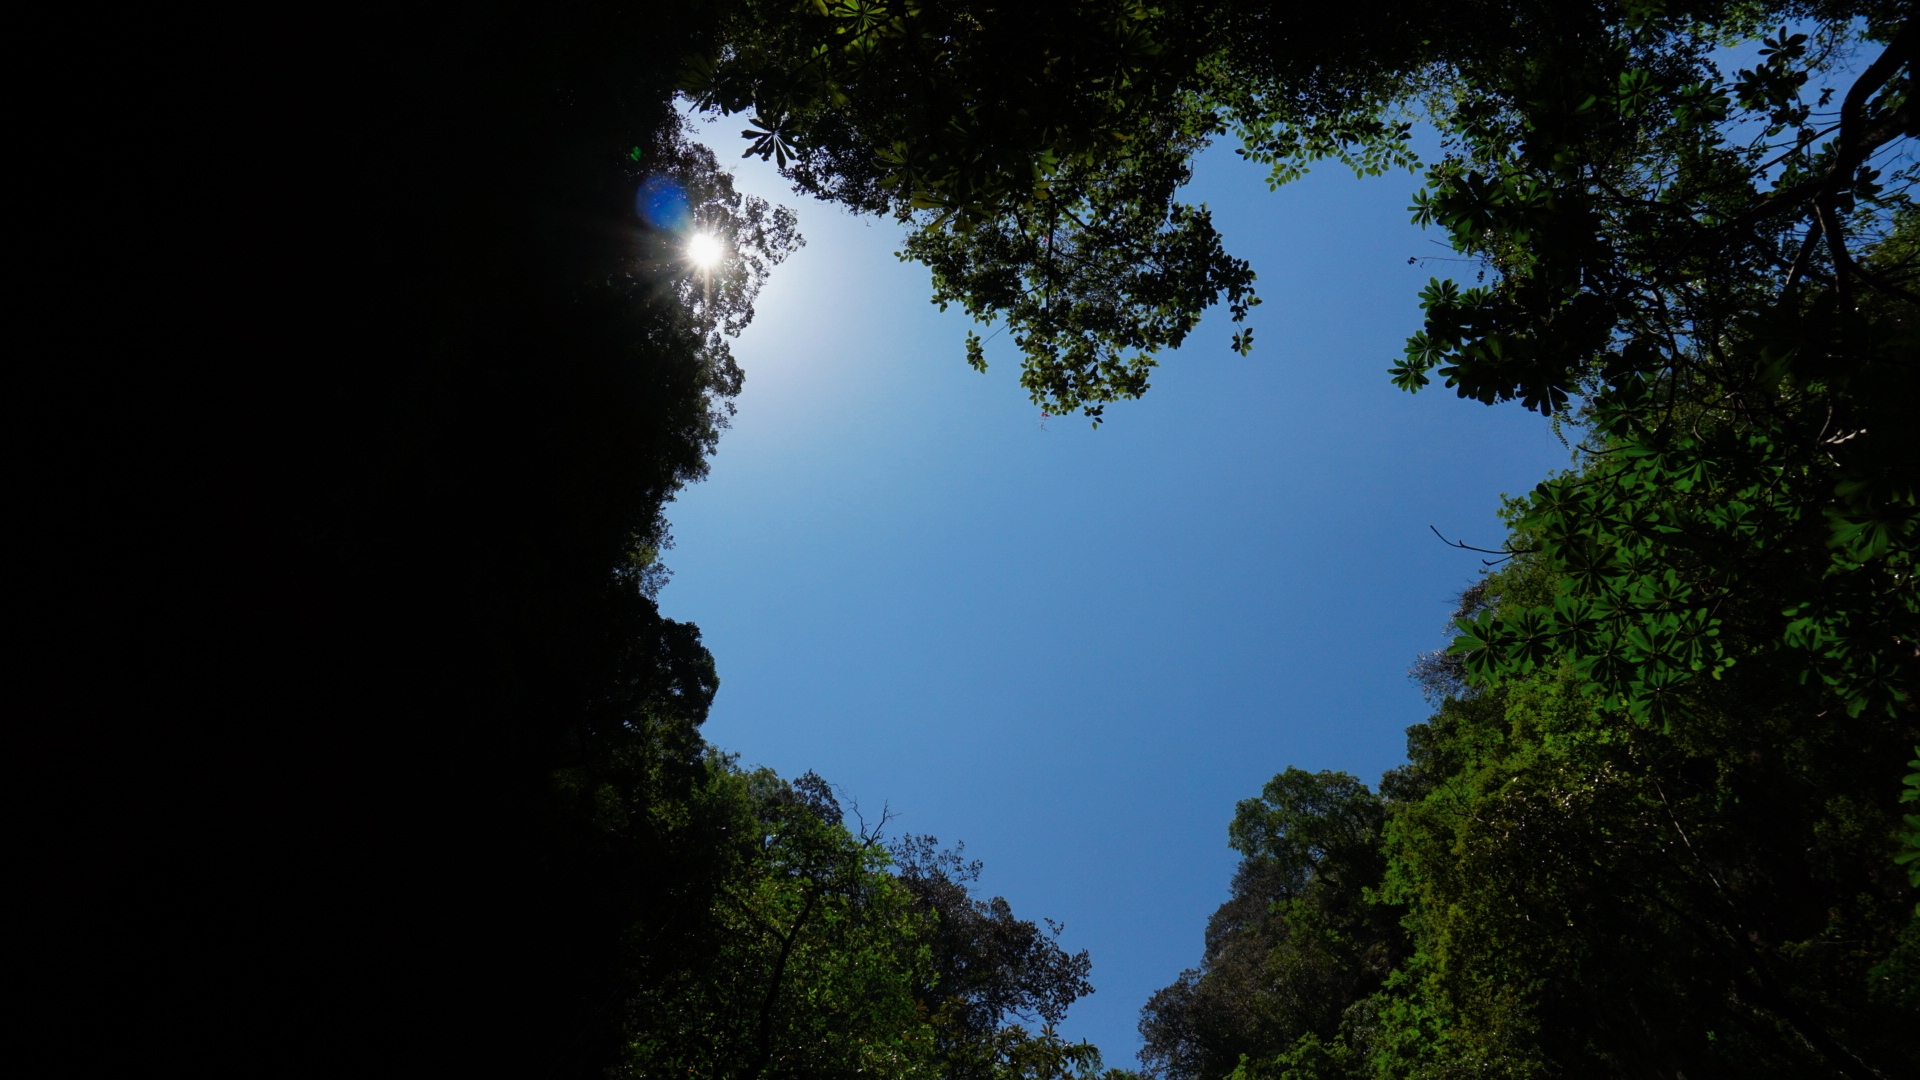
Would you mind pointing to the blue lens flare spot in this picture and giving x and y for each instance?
(662, 203)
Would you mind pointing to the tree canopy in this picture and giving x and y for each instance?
(1652, 828)
(355, 727)
(1551, 889)
(1711, 271)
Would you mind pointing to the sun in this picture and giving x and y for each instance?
(704, 250)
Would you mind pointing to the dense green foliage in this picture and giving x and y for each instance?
(792, 946)
(752, 934)
(1299, 941)
(1560, 890)
(1676, 251)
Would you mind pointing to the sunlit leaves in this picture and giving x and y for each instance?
(1712, 372)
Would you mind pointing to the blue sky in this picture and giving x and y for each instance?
(1076, 649)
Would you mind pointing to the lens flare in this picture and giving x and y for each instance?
(662, 203)
(705, 250)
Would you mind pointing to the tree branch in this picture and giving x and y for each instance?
(765, 1053)
(1504, 554)
(1855, 143)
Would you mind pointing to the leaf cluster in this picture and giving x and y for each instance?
(1300, 940)
(1567, 891)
